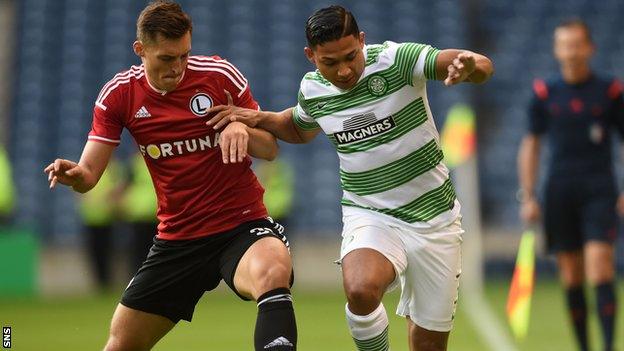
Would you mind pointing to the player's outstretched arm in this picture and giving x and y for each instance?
(455, 66)
(280, 124)
(85, 174)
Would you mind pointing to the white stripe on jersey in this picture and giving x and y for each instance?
(208, 59)
(95, 137)
(221, 68)
(121, 78)
(118, 76)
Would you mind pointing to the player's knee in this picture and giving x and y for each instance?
(600, 274)
(430, 345)
(271, 275)
(118, 344)
(363, 296)
(117, 341)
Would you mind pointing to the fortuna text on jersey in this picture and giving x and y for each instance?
(180, 147)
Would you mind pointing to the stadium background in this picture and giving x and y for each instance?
(56, 54)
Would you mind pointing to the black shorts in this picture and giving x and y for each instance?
(177, 273)
(578, 211)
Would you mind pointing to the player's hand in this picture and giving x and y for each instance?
(530, 211)
(233, 141)
(63, 171)
(620, 205)
(461, 68)
(224, 114)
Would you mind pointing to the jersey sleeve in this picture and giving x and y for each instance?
(417, 62)
(107, 122)
(538, 121)
(301, 115)
(616, 111)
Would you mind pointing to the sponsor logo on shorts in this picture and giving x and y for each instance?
(261, 231)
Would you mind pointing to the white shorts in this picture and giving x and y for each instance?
(427, 264)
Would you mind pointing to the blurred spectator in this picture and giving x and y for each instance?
(277, 178)
(138, 208)
(98, 211)
(7, 188)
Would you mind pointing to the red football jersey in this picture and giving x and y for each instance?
(197, 194)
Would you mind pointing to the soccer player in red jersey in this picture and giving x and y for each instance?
(213, 224)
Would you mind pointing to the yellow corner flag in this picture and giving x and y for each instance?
(519, 300)
(458, 135)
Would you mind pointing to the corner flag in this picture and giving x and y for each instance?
(458, 135)
(519, 299)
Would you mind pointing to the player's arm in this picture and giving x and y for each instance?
(616, 112)
(454, 66)
(237, 140)
(283, 126)
(528, 167)
(85, 174)
(280, 124)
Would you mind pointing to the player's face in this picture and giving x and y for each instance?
(340, 61)
(165, 60)
(572, 47)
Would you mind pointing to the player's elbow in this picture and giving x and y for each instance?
(486, 68)
(272, 153)
(81, 188)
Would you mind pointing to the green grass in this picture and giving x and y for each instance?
(222, 322)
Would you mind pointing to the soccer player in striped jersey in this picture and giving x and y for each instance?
(213, 224)
(401, 216)
(578, 111)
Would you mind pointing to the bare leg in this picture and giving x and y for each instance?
(421, 339)
(133, 330)
(366, 275)
(265, 266)
(263, 274)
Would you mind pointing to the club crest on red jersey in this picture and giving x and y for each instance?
(200, 103)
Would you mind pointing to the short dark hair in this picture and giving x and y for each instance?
(329, 24)
(576, 22)
(164, 17)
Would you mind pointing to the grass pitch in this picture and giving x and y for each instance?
(222, 322)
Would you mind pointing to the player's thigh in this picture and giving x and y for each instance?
(366, 271)
(562, 223)
(421, 339)
(372, 255)
(258, 261)
(136, 330)
(431, 281)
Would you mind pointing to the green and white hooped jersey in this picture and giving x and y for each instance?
(385, 136)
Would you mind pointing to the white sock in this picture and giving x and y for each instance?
(369, 332)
